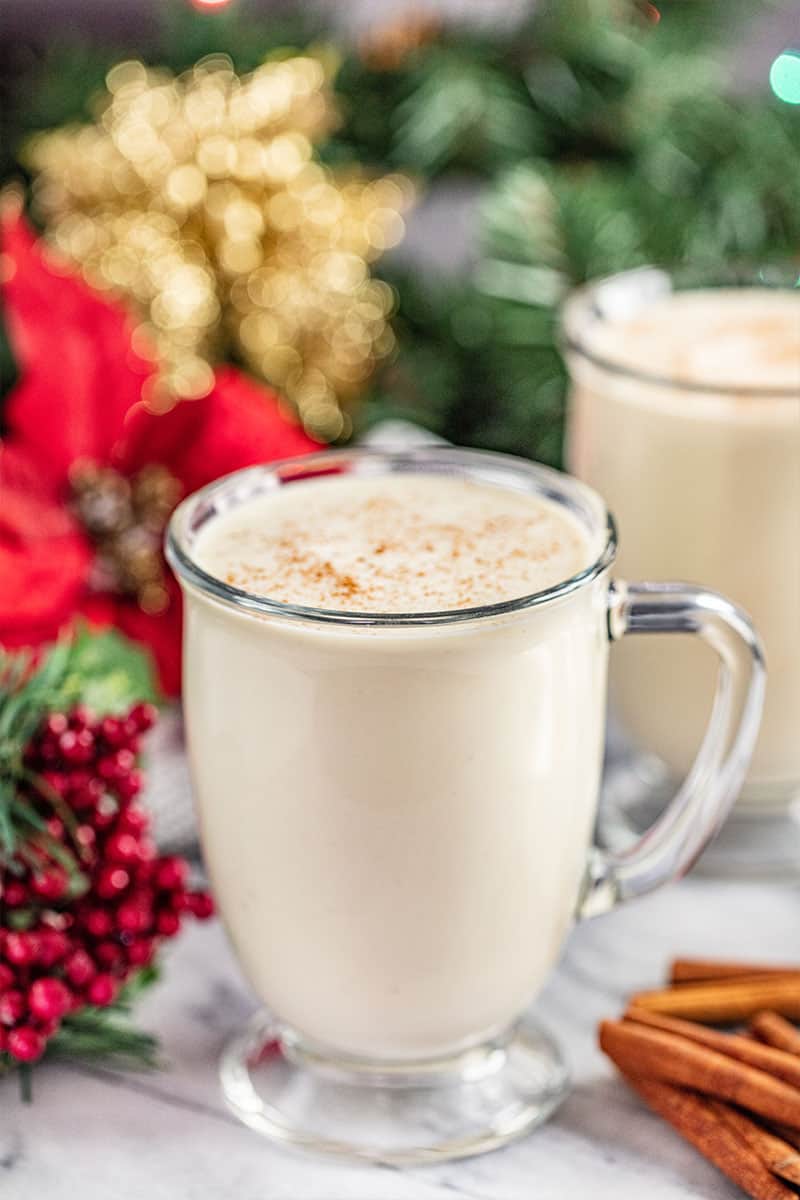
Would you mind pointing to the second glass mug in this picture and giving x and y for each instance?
(698, 455)
(396, 813)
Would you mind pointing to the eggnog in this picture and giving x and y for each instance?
(396, 818)
(685, 415)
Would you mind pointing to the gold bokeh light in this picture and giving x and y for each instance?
(199, 198)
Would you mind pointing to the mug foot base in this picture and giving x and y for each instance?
(759, 840)
(395, 1115)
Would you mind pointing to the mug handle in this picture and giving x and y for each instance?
(672, 845)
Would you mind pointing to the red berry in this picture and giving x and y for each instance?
(167, 923)
(99, 922)
(49, 999)
(143, 874)
(115, 766)
(57, 781)
(134, 915)
(86, 793)
(141, 951)
(131, 730)
(7, 977)
(12, 1006)
(102, 990)
(170, 873)
(55, 827)
(55, 724)
(105, 814)
(79, 777)
(48, 1028)
(112, 882)
(143, 716)
(50, 884)
(81, 717)
(148, 849)
(25, 1044)
(129, 786)
(21, 948)
(109, 955)
(76, 745)
(79, 968)
(53, 945)
(86, 837)
(14, 893)
(112, 731)
(3, 1039)
(200, 905)
(122, 848)
(133, 819)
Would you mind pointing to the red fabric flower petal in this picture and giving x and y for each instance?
(79, 396)
(240, 423)
(78, 373)
(161, 634)
(44, 557)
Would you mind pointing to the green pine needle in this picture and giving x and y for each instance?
(103, 670)
(106, 1035)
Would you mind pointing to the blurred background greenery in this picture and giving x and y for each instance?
(587, 135)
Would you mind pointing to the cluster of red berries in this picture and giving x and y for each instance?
(72, 936)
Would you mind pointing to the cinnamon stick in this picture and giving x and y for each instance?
(696, 970)
(792, 1136)
(777, 1155)
(726, 1001)
(696, 1120)
(766, 1058)
(772, 1028)
(654, 1054)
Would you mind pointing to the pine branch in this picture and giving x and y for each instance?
(106, 1035)
(103, 670)
(92, 1035)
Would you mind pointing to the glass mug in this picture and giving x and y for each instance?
(704, 479)
(396, 813)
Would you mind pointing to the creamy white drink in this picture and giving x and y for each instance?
(395, 696)
(395, 818)
(685, 415)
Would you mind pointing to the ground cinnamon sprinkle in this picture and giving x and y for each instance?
(395, 544)
(348, 585)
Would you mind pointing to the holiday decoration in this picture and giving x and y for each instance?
(604, 133)
(85, 899)
(199, 198)
(89, 474)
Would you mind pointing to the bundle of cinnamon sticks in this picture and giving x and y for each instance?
(734, 1095)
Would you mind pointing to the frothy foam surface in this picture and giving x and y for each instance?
(400, 543)
(726, 337)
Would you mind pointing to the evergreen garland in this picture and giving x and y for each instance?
(609, 135)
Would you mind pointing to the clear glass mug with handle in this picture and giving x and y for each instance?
(685, 415)
(396, 812)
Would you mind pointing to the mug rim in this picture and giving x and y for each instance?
(584, 302)
(556, 486)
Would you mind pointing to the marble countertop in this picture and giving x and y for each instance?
(96, 1133)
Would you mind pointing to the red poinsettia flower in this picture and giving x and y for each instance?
(88, 474)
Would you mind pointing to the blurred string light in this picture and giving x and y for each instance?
(784, 76)
(202, 4)
(200, 198)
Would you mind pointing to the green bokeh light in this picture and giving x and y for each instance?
(784, 76)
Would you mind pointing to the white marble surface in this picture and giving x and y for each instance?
(103, 1135)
